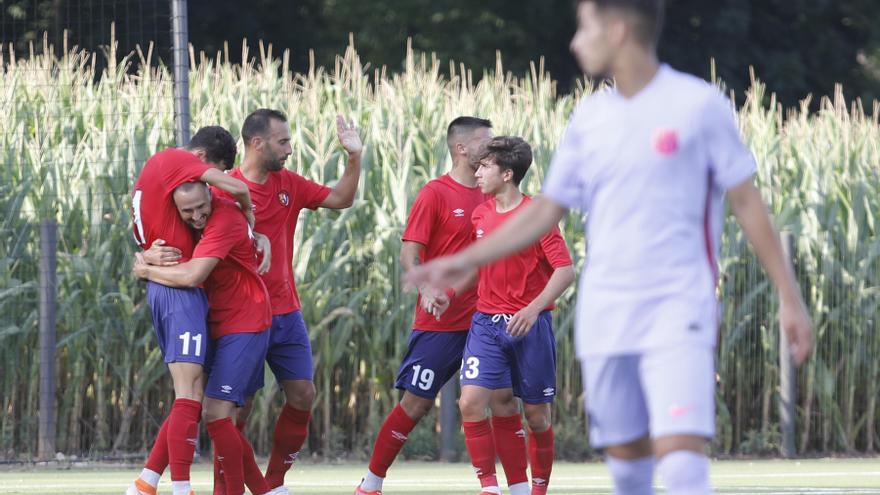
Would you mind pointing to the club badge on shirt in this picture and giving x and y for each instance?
(284, 198)
(665, 141)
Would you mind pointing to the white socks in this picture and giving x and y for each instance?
(685, 473)
(180, 487)
(151, 477)
(371, 482)
(632, 477)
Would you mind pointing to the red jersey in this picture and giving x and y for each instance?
(153, 214)
(508, 285)
(237, 297)
(440, 220)
(277, 204)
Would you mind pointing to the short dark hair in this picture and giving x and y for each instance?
(649, 12)
(217, 143)
(257, 123)
(509, 153)
(465, 124)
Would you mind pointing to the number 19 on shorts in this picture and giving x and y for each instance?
(185, 337)
(422, 378)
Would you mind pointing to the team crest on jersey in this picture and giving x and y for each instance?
(665, 141)
(284, 198)
(458, 212)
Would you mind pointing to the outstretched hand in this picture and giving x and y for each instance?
(349, 136)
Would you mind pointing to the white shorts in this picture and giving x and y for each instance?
(669, 391)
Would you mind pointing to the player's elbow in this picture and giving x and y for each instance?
(566, 274)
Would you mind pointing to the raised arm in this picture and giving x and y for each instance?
(753, 217)
(234, 187)
(342, 195)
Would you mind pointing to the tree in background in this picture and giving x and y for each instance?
(797, 47)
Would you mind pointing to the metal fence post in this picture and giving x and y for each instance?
(48, 299)
(180, 37)
(787, 374)
(449, 420)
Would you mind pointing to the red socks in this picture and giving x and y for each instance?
(510, 442)
(253, 477)
(229, 450)
(481, 447)
(390, 440)
(291, 431)
(541, 457)
(158, 460)
(183, 433)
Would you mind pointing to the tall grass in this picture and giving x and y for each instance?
(73, 141)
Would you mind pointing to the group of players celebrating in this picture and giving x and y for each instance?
(649, 162)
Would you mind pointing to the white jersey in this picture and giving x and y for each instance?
(650, 172)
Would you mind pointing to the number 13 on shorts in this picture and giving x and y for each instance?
(473, 368)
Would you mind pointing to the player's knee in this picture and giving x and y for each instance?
(538, 419)
(471, 406)
(632, 476)
(415, 407)
(685, 472)
(302, 396)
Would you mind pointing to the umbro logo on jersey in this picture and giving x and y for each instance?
(521, 433)
(480, 233)
(458, 212)
(665, 141)
(549, 391)
(284, 198)
(226, 389)
(192, 441)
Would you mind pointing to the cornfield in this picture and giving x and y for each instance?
(73, 141)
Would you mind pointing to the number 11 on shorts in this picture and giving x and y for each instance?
(422, 378)
(195, 338)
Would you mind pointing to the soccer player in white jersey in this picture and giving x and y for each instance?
(650, 163)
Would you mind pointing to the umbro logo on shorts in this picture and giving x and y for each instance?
(226, 389)
(549, 391)
(458, 212)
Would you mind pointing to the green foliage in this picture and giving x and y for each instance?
(73, 143)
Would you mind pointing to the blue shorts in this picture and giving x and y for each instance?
(180, 317)
(236, 366)
(431, 359)
(495, 360)
(290, 353)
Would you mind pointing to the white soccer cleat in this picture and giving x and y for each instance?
(278, 490)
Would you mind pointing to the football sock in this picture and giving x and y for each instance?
(685, 473)
(541, 458)
(510, 443)
(632, 477)
(290, 434)
(227, 444)
(481, 447)
(390, 440)
(183, 432)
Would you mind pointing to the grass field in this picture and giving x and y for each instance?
(825, 476)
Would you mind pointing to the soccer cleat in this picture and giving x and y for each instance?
(140, 487)
(361, 491)
(278, 490)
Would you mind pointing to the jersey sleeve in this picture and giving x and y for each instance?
(563, 183)
(308, 194)
(730, 161)
(181, 168)
(554, 248)
(422, 217)
(223, 230)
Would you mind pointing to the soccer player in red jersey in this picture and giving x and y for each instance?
(511, 345)
(278, 196)
(179, 315)
(439, 224)
(225, 262)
